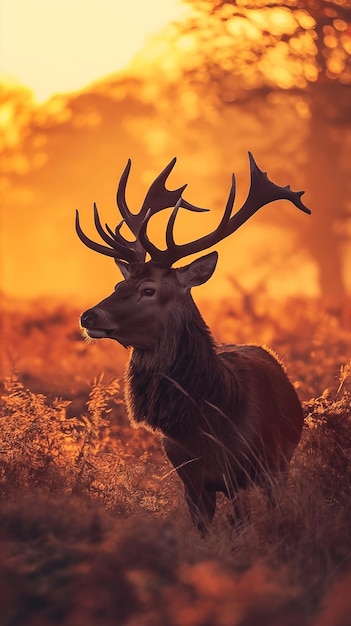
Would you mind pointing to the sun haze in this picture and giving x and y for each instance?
(54, 47)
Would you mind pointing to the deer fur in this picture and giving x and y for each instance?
(228, 415)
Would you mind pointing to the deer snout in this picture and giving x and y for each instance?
(97, 323)
(88, 319)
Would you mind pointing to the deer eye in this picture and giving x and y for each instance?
(148, 291)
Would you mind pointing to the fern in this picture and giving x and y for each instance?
(41, 446)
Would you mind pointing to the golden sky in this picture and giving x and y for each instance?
(61, 46)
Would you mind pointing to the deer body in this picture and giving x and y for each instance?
(226, 425)
(228, 415)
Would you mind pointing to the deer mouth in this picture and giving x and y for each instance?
(96, 333)
(99, 333)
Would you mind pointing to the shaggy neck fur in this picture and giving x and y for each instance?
(169, 387)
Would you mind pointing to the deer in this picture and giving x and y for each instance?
(228, 416)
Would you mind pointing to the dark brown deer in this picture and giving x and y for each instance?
(228, 414)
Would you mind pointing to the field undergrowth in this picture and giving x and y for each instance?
(94, 529)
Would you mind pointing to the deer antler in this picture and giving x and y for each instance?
(157, 198)
(261, 192)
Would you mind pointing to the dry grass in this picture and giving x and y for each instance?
(94, 529)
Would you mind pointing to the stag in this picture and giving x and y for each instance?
(228, 415)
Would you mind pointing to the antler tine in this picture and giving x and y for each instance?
(118, 239)
(89, 242)
(118, 250)
(121, 196)
(229, 207)
(174, 251)
(159, 197)
(116, 233)
(118, 242)
(130, 251)
(171, 254)
(169, 231)
(261, 192)
(111, 241)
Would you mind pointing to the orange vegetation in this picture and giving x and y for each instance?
(94, 526)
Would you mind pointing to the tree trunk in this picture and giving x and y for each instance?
(327, 187)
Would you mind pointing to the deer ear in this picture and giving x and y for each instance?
(197, 272)
(124, 267)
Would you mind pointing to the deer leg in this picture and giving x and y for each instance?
(201, 502)
(201, 505)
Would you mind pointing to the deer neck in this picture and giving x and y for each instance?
(182, 372)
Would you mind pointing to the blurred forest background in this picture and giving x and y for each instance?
(94, 528)
(270, 77)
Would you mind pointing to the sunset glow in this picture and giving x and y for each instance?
(175, 312)
(86, 86)
(54, 47)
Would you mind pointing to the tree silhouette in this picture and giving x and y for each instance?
(246, 51)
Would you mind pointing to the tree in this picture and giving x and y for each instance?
(238, 53)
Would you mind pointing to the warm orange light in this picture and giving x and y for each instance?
(62, 46)
(68, 152)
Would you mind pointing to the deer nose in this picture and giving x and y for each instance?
(88, 319)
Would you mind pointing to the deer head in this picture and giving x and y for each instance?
(152, 291)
